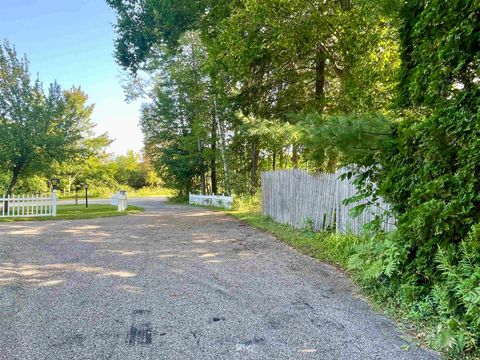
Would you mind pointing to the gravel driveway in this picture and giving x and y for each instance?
(178, 282)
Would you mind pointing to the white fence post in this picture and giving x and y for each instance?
(122, 201)
(54, 203)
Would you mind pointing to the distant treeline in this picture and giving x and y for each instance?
(103, 172)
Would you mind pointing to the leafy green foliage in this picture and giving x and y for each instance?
(143, 24)
(272, 61)
(135, 172)
(37, 128)
(88, 159)
(332, 140)
(176, 126)
(429, 173)
(309, 56)
(441, 50)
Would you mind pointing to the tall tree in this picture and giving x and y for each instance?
(273, 60)
(323, 56)
(90, 149)
(177, 124)
(36, 128)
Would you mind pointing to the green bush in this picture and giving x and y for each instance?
(430, 174)
(248, 202)
(28, 185)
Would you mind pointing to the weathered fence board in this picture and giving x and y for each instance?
(28, 205)
(300, 199)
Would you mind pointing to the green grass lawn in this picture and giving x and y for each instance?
(73, 212)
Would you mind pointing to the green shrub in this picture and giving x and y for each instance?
(430, 174)
(248, 202)
(450, 298)
(106, 192)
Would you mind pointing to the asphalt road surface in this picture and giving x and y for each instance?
(178, 282)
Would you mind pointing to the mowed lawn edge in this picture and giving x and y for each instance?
(77, 212)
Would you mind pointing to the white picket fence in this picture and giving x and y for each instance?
(211, 200)
(28, 205)
(300, 199)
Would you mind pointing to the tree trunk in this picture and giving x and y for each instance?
(345, 5)
(295, 156)
(254, 167)
(274, 160)
(202, 183)
(13, 181)
(221, 136)
(11, 187)
(213, 160)
(71, 179)
(320, 80)
(213, 175)
(201, 166)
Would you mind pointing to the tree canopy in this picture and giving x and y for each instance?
(263, 60)
(37, 127)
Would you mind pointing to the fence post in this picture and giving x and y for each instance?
(122, 201)
(54, 203)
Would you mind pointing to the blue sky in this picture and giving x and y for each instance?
(71, 41)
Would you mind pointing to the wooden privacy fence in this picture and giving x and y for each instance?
(28, 205)
(300, 199)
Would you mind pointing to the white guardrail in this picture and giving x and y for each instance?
(211, 200)
(120, 199)
(28, 205)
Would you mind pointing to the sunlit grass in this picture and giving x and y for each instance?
(106, 193)
(151, 191)
(73, 212)
(324, 245)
